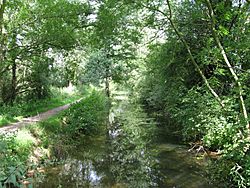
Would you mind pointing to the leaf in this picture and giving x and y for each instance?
(223, 30)
(12, 179)
(220, 71)
(11, 169)
(18, 174)
(228, 16)
(2, 176)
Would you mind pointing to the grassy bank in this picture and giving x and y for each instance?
(22, 153)
(10, 114)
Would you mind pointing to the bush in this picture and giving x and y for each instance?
(88, 115)
(15, 149)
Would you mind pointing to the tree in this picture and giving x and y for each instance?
(212, 35)
(2, 9)
(31, 30)
(115, 35)
(228, 64)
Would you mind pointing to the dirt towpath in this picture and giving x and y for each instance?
(27, 121)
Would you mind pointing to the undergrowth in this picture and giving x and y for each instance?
(19, 110)
(44, 143)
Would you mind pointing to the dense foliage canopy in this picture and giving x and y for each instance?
(187, 62)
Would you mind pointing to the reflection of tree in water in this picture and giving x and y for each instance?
(82, 173)
(131, 162)
(123, 160)
(126, 157)
(79, 171)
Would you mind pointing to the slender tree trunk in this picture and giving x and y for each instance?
(13, 86)
(3, 4)
(192, 57)
(107, 77)
(224, 55)
(2, 69)
(13, 82)
(107, 89)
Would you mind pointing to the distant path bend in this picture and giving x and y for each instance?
(27, 121)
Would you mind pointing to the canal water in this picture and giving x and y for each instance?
(133, 153)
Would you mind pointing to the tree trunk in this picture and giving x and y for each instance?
(13, 82)
(107, 77)
(107, 89)
(192, 57)
(224, 55)
(3, 4)
(13, 86)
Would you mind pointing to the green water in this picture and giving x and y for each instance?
(134, 153)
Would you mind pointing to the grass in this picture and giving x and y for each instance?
(36, 145)
(11, 114)
(22, 151)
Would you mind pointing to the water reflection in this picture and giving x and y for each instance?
(128, 156)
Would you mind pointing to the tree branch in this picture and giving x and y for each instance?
(224, 55)
(181, 38)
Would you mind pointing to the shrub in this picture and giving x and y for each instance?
(87, 115)
(14, 152)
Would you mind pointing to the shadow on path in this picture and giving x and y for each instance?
(27, 121)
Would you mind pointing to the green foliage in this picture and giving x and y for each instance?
(15, 149)
(39, 79)
(32, 30)
(100, 67)
(59, 97)
(173, 89)
(88, 115)
(40, 46)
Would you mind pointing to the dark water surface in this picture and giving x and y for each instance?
(98, 163)
(134, 154)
